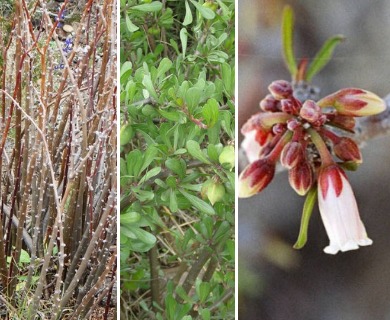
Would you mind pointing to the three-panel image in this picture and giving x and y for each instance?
(194, 159)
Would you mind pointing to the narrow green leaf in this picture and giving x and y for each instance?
(173, 201)
(203, 291)
(176, 166)
(147, 82)
(323, 56)
(130, 25)
(198, 203)
(212, 152)
(170, 115)
(223, 232)
(129, 218)
(149, 156)
(287, 40)
(24, 257)
(192, 98)
(126, 68)
(210, 112)
(188, 17)
(184, 309)
(224, 7)
(183, 39)
(150, 174)
(170, 305)
(306, 214)
(194, 150)
(134, 162)
(163, 67)
(148, 7)
(227, 78)
(205, 12)
(205, 314)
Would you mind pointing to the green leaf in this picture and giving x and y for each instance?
(198, 203)
(182, 294)
(184, 309)
(205, 314)
(203, 291)
(194, 150)
(207, 13)
(130, 25)
(150, 155)
(147, 82)
(323, 56)
(173, 206)
(231, 248)
(227, 78)
(188, 17)
(129, 218)
(306, 214)
(176, 166)
(163, 67)
(134, 162)
(223, 232)
(170, 115)
(143, 195)
(150, 174)
(210, 112)
(212, 152)
(192, 98)
(148, 7)
(144, 236)
(184, 39)
(170, 305)
(126, 70)
(287, 40)
(24, 257)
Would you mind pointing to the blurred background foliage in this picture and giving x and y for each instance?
(177, 159)
(277, 282)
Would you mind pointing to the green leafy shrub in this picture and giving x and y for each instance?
(177, 159)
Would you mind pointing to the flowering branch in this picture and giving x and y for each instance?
(315, 141)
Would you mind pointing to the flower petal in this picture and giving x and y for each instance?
(340, 214)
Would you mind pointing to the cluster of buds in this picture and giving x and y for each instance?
(306, 136)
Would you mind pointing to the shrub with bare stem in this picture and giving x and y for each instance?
(57, 158)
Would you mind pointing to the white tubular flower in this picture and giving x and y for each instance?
(339, 211)
(251, 147)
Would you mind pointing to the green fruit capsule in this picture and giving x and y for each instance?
(205, 188)
(215, 192)
(126, 134)
(155, 31)
(227, 156)
(211, 5)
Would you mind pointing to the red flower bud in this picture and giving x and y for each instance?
(292, 154)
(347, 150)
(354, 102)
(264, 121)
(293, 124)
(301, 177)
(343, 122)
(269, 104)
(310, 111)
(281, 89)
(255, 177)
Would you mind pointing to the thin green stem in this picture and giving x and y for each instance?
(275, 153)
(325, 155)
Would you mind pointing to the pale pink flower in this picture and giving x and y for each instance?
(339, 211)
